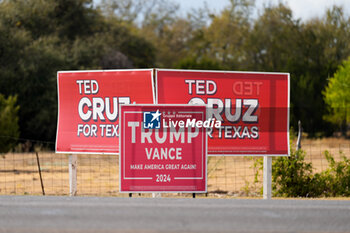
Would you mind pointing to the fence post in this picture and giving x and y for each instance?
(267, 177)
(156, 195)
(300, 132)
(41, 179)
(73, 174)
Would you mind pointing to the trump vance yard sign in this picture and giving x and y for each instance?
(163, 148)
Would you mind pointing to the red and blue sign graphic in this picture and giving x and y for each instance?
(151, 120)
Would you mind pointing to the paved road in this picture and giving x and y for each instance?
(96, 214)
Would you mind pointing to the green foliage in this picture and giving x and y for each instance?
(337, 96)
(9, 129)
(195, 64)
(228, 33)
(293, 177)
(335, 181)
(39, 38)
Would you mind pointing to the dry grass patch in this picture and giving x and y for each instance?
(99, 174)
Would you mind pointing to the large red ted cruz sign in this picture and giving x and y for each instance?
(88, 107)
(252, 106)
(163, 148)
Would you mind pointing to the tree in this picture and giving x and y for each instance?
(337, 97)
(227, 34)
(324, 47)
(200, 64)
(172, 41)
(272, 43)
(309, 51)
(9, 129)
(39, 38)
(140, 12)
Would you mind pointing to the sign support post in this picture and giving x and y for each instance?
(73, 158)
(156, 195)
(267, 183)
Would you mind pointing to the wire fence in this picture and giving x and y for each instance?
(98, 175)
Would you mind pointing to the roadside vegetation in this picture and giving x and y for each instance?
(293, 177)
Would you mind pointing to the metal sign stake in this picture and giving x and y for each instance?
(267, 183)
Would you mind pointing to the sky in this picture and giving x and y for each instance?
(304, 9)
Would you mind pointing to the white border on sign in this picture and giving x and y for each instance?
(93, 71)
(149, 178)
(236, 72)
(204, 153)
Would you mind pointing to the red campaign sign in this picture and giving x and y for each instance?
(253, 107)
(162, 148)
(88, 107)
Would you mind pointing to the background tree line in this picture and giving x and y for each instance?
(38, 38)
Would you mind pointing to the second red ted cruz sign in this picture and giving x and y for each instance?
(252, 106)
